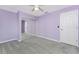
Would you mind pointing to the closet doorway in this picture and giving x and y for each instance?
(69, 27)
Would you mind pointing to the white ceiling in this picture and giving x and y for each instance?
(28, 8)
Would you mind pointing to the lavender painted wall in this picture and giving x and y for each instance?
(46, 25)
(8, 26)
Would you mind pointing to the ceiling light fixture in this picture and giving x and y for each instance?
(36, 8)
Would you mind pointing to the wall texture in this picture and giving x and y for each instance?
(8, 26)
(46, 25)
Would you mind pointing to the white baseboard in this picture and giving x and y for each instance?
(44, 37)
(50, 39)
(47, 38)
(8, 40)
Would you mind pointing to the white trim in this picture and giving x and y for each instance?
(48, 38)
(8, 40)
(44, 37)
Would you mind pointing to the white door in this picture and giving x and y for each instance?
(69, 27)
(25, 27)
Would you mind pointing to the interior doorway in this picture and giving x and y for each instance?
(23, 26)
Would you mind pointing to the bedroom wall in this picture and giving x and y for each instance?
(8, 26)
(46, 25)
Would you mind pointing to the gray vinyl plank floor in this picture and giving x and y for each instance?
(36, 45)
